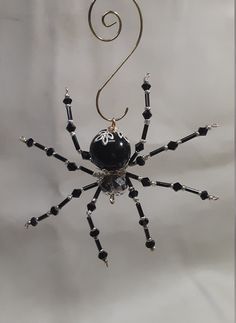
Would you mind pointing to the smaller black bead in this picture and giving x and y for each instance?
(102, 255)
(203, 131)
(150, 244)
(140, 161)
(177, 187)
(30, 142)
(144, 222)
(146, 181)
(54, 210)
(94, 233)
(77, 193)
(67, 100)
(204, 195)
(72, 167)
(70, 127)
(139, 146)
(146, 86)
(33, 221)
(50, 152)
(172, 145)
(91, 206)
(147, 114)
(133, 194)
(85, 155)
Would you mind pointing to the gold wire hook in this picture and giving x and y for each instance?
(109, 40)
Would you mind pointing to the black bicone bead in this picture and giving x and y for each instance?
(110, 150)
(133, 194)
(140, 161)
(146, 86)
(147, 114)
(177, 187)
(172, 145)
(94, 232)
(50, 152)
(203, 131)
(102, 255)
(139, 146)
(91, 206)
(204, 195)
(146, 181)
(54, 210)
(67, 100)
(33, 221)
(30, 142)
(72, 167)
(77, 193)
(85, 155)
(150, 244)
(144, 222)
(70, 126)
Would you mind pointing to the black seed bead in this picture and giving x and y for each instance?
(146, 181)
(133, 194)
(150, 244)
(94, 232)
(102, 255)
(172, 145)
(54, 210)
(85, 155)
(30, 142)
(91, 206)
(39, 146)
(33, 221)
(146, 86)
(147, 114)
(140, 161)
(50, 152)
(72, 167)
(204, 195)
(203, 131)
(139, 146)
(144, 222)
(77, 193)
(177, 187)
(67, 100)
(70, 127)
(42, 217)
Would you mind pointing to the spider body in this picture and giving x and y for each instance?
(110, 151)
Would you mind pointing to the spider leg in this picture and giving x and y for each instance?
(172, 145)
(71, 127)
(150, 243)
(175, 186)
(147, 116)
(55, 209)
(71, 166)
(94, 232)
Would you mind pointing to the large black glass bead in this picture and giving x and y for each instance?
(110, 150)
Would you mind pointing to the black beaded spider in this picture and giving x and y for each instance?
(110, 151)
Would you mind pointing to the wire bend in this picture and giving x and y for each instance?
(119, 21)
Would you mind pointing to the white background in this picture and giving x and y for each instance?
(51, 274)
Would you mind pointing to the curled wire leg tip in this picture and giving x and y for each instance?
(27, 225)
(153, 249)
(213, 198)
(106, 263)
(23, 139)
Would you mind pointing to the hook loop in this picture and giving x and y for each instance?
(117, 16)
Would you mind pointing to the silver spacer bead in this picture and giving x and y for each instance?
(70, 196)
(197, 133)
(143, 141)
(179, 142)
(166, 148)
(154, 183)
(72, 134)
(89, 213)
(183, 187)
(147, 122)
(140, 178)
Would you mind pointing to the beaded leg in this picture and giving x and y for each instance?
(71, 127)
(71, 166)
(55, 209)
(172, 145)
(102, 254)
(150, 243)
(175, 186)
(147, 116)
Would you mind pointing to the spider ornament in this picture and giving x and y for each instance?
(110, 152)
